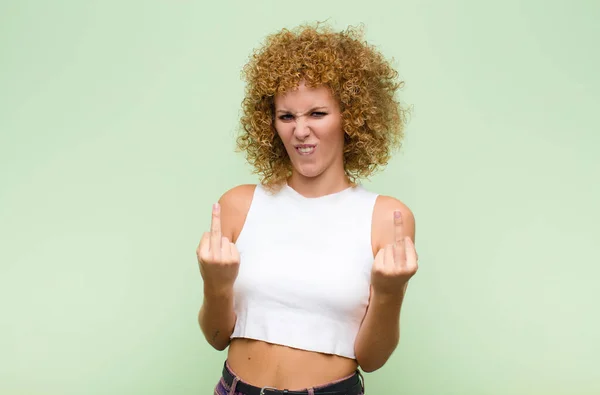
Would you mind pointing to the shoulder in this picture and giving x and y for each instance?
(236, 196)
(383, 221)
(235, 204)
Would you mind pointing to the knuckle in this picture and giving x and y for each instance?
(203, 257)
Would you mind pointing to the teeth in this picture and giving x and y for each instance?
(305, 150)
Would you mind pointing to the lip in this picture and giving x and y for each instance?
(311, 146)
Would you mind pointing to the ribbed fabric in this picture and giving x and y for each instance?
(305, 269)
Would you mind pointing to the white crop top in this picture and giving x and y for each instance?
(305, 269)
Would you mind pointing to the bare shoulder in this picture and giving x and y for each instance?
(235, 204)
(382, 230)
(237, 196)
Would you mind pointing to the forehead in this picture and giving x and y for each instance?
(305, 96)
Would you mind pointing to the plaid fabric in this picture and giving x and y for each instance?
(223, 389)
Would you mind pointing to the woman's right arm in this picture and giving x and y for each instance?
(216, 318)
(219, 263)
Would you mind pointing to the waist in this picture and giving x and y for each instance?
(232, 382)
(318, 331)
(265, 364)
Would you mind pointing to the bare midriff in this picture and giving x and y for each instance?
(263, 364)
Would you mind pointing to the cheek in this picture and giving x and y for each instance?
(284, 131)
(332, 132)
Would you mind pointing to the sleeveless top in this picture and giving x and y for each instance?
(305, 269)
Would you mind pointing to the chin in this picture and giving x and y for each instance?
(309, 171)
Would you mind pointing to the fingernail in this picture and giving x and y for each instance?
(216, 207)
(397, 214)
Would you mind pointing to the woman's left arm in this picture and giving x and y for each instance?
(395, 263)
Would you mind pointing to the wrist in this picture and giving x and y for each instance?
(388, 298)
(218, 291)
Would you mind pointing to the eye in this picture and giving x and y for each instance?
(319, 114)
(286, 117)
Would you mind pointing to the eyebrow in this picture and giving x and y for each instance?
(311, 110)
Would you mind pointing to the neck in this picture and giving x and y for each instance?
(324, 184)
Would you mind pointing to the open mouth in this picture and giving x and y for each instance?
(305, 149)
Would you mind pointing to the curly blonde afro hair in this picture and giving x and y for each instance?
(360, 78)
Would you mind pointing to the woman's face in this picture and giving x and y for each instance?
(309, 122)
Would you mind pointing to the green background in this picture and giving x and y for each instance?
(117, 125)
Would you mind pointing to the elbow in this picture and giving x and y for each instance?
(217, 341)
(220, 340)
(370, 366)
(367, 369)
(373, 359)
(217, 338)
(220, 346)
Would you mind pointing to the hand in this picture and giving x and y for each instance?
(218, 258)
(394, 264)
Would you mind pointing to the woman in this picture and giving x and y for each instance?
(305, 273)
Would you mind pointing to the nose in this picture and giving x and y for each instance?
(302, 129)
